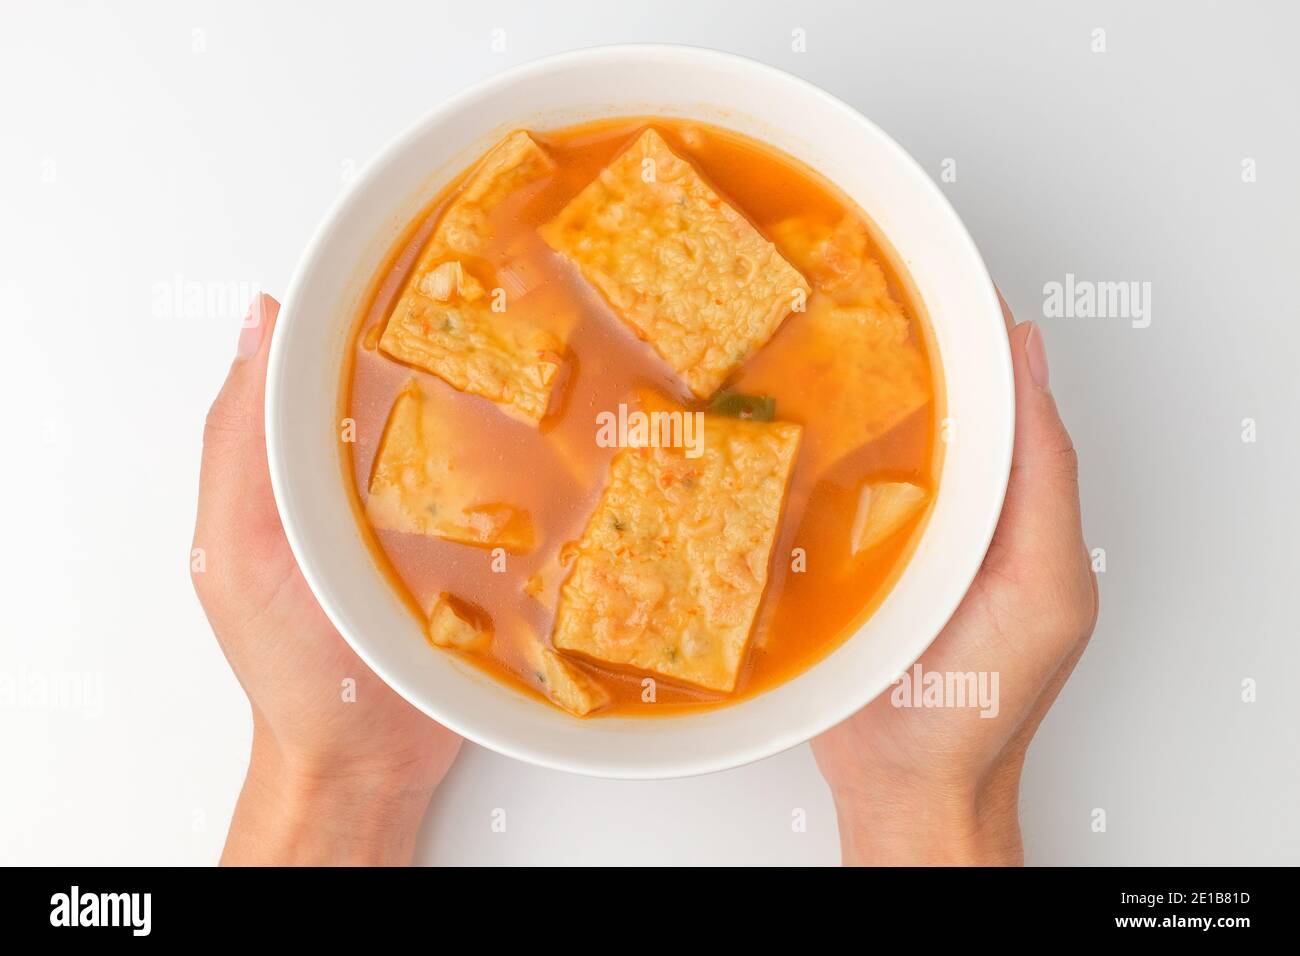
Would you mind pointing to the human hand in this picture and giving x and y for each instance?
(333, 777)
(921, 785)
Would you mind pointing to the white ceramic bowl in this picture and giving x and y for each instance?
(728, 91)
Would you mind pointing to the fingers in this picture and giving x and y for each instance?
(237, 512)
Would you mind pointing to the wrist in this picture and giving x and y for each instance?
(930, 825)
(296, 812)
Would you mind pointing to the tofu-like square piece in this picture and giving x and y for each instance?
(543, 585)
(444, 321)
(510, 165)
(685, 270)
(419, 485)
(452, 624)
(861, 370)
(672, 565)
(883, 508)
(565, 683)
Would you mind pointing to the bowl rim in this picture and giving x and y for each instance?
(797, 732)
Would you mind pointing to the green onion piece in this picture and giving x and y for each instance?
(759, 408)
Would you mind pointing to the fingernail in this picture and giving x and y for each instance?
(1036, 356)
(250, 334)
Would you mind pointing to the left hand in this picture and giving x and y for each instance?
(333, 777)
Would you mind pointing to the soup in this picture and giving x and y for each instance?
(640, 417)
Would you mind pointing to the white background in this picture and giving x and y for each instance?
(202, 142)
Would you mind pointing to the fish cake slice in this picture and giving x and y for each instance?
(687, 272)
(672, 565)
(447, 323)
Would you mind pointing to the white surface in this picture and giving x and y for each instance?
(216, 166)
(328, 291)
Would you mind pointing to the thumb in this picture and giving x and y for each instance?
(1044, 454)
(1041, 518)
(236, 415)
(236, 506)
